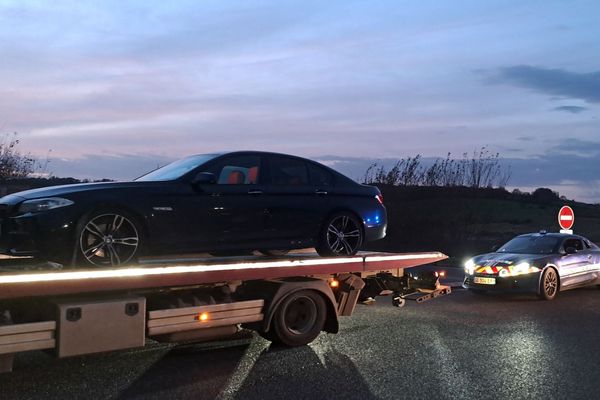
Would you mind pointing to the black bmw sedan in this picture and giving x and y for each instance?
(541, 263)
(231, 202)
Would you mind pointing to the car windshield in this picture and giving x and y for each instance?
(177, 168)
(531, 245)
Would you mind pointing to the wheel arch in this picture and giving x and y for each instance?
(139, 219)
(555, 268)
(338, 210)
(275, 292)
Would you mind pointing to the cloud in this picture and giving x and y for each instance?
(556, 82)
(526, 138)
(570, 109)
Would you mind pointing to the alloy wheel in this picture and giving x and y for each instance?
(109, 239)
(550, 283)
(343, 235)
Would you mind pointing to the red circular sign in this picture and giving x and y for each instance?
(566, 217)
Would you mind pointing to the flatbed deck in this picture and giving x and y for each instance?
(19, 284)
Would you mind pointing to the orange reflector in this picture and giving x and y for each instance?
(442, 273)
(203, 317)
(334, 283)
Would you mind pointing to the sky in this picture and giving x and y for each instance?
(112, 89)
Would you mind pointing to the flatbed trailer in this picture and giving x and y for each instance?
(287, 300)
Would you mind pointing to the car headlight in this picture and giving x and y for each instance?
(38, 205)
(519, 269)
(470, 267)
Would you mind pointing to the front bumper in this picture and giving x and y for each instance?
(526, 283)
(35, 234)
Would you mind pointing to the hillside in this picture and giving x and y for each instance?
(461, 221)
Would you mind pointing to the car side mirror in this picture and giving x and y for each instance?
(570, 250)
(204, 178)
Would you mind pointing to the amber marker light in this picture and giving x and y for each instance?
(203, 317)
(334, 283)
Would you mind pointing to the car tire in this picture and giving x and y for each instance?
(341, 235)
(107, 238)
(549, 284)
(274, 253)
(299, 318)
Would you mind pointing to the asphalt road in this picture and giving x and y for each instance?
(459, 346)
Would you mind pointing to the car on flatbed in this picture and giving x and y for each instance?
(222, 203)
(541, 263)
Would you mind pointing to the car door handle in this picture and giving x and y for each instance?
(255, 192)
(320, 192)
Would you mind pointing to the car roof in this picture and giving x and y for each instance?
(341, 177)
(270, 153)
(555, 234)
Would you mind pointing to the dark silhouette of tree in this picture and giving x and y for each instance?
(13, 164)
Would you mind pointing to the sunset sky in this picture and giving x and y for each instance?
(114, 88)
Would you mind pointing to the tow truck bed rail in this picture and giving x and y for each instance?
(79, 281)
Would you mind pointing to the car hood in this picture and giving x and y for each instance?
(506, 259)
(63, 190)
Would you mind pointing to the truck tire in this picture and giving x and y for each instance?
(299, 318)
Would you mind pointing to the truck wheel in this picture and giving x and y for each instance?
(299, 318)
(274, 253)
(107, 238)
(341, 235)
(549, 284)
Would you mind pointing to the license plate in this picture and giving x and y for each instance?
(484, 281)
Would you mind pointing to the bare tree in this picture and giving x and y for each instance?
(482, 169)
(13, 164)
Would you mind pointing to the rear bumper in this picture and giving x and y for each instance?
(375, 232)
(529, 283)
(375, 223)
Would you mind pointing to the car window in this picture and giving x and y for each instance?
(533, 244)
(177, 169)
(575, 243)
(288, 171)
(319, 176)
(237, 170)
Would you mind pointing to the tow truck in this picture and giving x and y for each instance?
(288, 300)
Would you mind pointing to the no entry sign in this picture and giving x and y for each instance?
(566, 217)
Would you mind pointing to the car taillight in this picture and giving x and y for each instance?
(379, 198)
